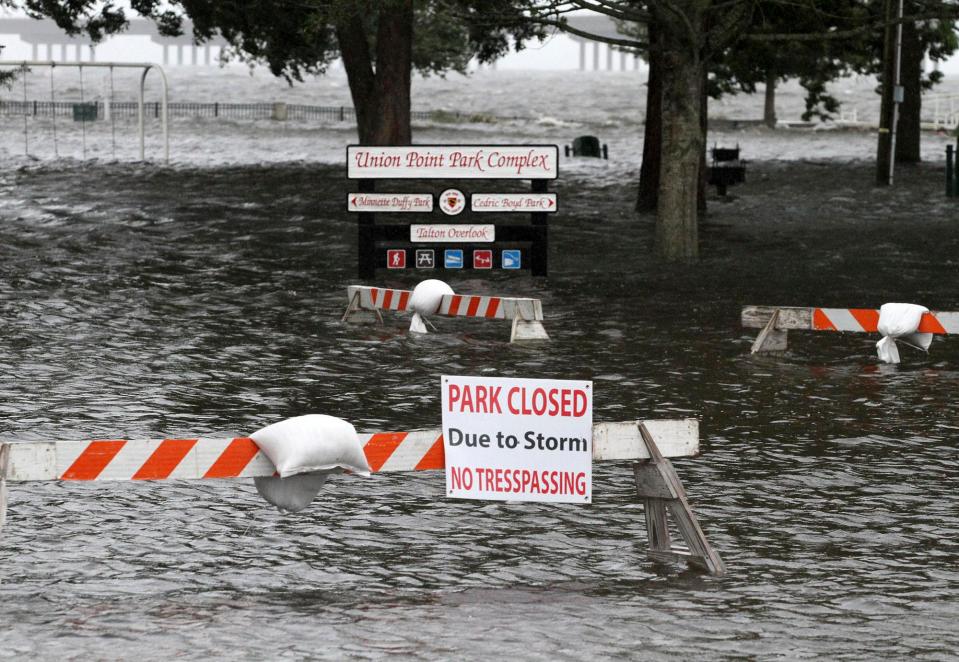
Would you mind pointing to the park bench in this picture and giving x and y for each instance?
(727, 168)
(587, 146)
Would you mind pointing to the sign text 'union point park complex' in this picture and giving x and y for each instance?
(444, 216)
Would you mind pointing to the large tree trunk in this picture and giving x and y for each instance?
(908, 130)
(683, 141)
(769, 109)
(381, 98)
(653, 130)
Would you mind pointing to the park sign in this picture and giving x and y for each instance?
(453, 162)
(454, 223)
(509, 439)
(513, 202)
(391, 202)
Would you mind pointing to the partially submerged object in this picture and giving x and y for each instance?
(365, 304)
(776, 321)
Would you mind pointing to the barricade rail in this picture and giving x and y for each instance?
(648, 443)
(526, 313)
(776, 321)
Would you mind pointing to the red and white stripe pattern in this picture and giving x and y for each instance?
(866, 320)
(380, 297)
(454, 305)
(239, 457)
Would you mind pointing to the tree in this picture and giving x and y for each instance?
(380, 42)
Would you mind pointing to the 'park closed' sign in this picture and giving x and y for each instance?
(518, 439)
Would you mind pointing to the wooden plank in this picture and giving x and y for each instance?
(657, 528)
(4, 461)
(756, 317)
(650, 483)
(50, 460)
(623, 441)
(701, 552)
(771, 339)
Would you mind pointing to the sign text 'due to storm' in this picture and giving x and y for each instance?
(453, 161)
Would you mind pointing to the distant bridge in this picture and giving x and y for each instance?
(46, 33)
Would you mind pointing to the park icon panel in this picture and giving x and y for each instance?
(452, 213)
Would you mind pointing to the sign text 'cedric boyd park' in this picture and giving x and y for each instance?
(513, 246)
(518, 439)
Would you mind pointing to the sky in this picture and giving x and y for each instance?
(559, 52)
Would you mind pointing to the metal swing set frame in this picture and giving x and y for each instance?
(25, 66)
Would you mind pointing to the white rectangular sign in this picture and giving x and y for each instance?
(513, 202)
(458, 233)
(518, 439)
(453, 162)
(398, 202)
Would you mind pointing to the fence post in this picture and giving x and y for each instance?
(341, 113)
(35, 109)
(950, 174)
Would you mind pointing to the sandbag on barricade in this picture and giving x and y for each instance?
(305, 450)
(900, 321)
(426, 300)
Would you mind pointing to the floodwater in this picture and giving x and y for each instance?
(138, 301)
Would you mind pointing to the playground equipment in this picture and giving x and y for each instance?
(648, 443)
(777, 321)
(365, 304)
(25, 66)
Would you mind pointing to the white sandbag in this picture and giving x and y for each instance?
(900, 321)
(293, 493)
(312, 443)
(417, 325)
(426, 300)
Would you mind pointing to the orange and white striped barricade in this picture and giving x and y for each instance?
(777, 321)
(648, 443)
(365, 304)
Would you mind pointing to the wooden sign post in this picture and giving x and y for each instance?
(462, 240)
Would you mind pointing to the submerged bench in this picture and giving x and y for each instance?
(365, 304)
(648, 443)
(777, 321)
(726, 169)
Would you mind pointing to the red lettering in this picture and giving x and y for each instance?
(579, 403)
(452, 395)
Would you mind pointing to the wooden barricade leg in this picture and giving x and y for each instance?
(524, 329)
(658, 484)
(770, 339)
(356, 315)
(4, 461)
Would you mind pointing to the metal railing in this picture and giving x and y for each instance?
(244, 111)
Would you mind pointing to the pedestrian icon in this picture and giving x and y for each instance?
(425, 258)
(482, 259)
(512, 259)
(453, 258)
(396, 259)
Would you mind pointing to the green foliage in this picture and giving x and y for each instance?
(299, 38)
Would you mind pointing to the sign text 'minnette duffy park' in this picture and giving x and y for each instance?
(450, 162)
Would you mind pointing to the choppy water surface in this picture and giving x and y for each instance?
(143, 302)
